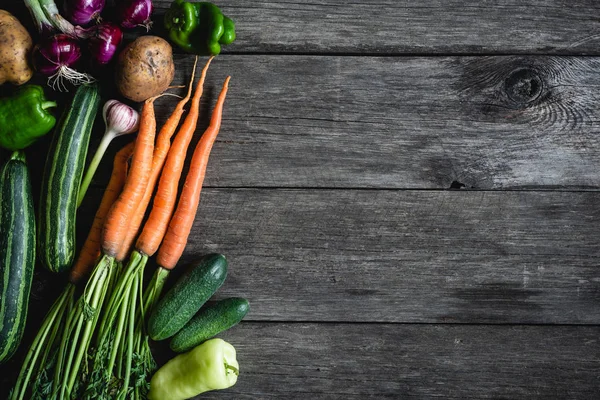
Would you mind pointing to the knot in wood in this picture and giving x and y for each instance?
(523, 86)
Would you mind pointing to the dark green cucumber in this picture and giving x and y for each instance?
(186, 297)
(209, 322)
(62, 177)
(17, 251)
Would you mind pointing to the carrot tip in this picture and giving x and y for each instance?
(205, 69)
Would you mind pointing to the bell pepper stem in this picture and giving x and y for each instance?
(232, 368)
(48, 104)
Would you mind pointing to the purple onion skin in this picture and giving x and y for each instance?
(134, 13)
(103, 43)
(54, 52)
(81, 12)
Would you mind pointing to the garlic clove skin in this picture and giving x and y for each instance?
(120, 118)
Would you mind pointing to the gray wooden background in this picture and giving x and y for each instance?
(407, 193)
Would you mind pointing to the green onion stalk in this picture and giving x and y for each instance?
(47, 18)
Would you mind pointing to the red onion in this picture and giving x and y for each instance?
(81, 12)
(103, 42)
(133, 13)
(56, 56)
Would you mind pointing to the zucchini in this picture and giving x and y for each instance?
(209, 322)
(186, 297)
(17, 251)
(62, 177)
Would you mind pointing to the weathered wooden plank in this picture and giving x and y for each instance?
(402, 122)
(405, 256)
(366, 361)
(407, 122)
(429, 26)
(374, 361)
(400, 27)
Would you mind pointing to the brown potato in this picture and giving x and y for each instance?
(145, 68)
(15, 47)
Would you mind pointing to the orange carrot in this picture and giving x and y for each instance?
(166, 194)
(163, 143)
(179, 228)
(121, 212)
(91, 248)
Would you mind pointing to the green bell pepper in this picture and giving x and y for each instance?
(209, 366)
(24, 117)
(199, 27)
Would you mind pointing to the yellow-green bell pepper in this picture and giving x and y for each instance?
(209, 366)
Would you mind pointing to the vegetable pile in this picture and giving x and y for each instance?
(95, 341)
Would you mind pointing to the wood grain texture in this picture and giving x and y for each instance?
(401, 27)
(361, 285)
(402, 122)
(397, 361)
(378, 361)
(405, 256)
(417, 26)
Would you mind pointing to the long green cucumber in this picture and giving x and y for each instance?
(209, 322)
(17, 251)
(62, 177)
(186, 297)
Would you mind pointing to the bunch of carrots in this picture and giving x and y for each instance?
(96, 347)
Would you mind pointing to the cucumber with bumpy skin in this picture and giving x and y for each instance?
(209, 322)
(17, 251)
(62, 177)
(186, 297)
